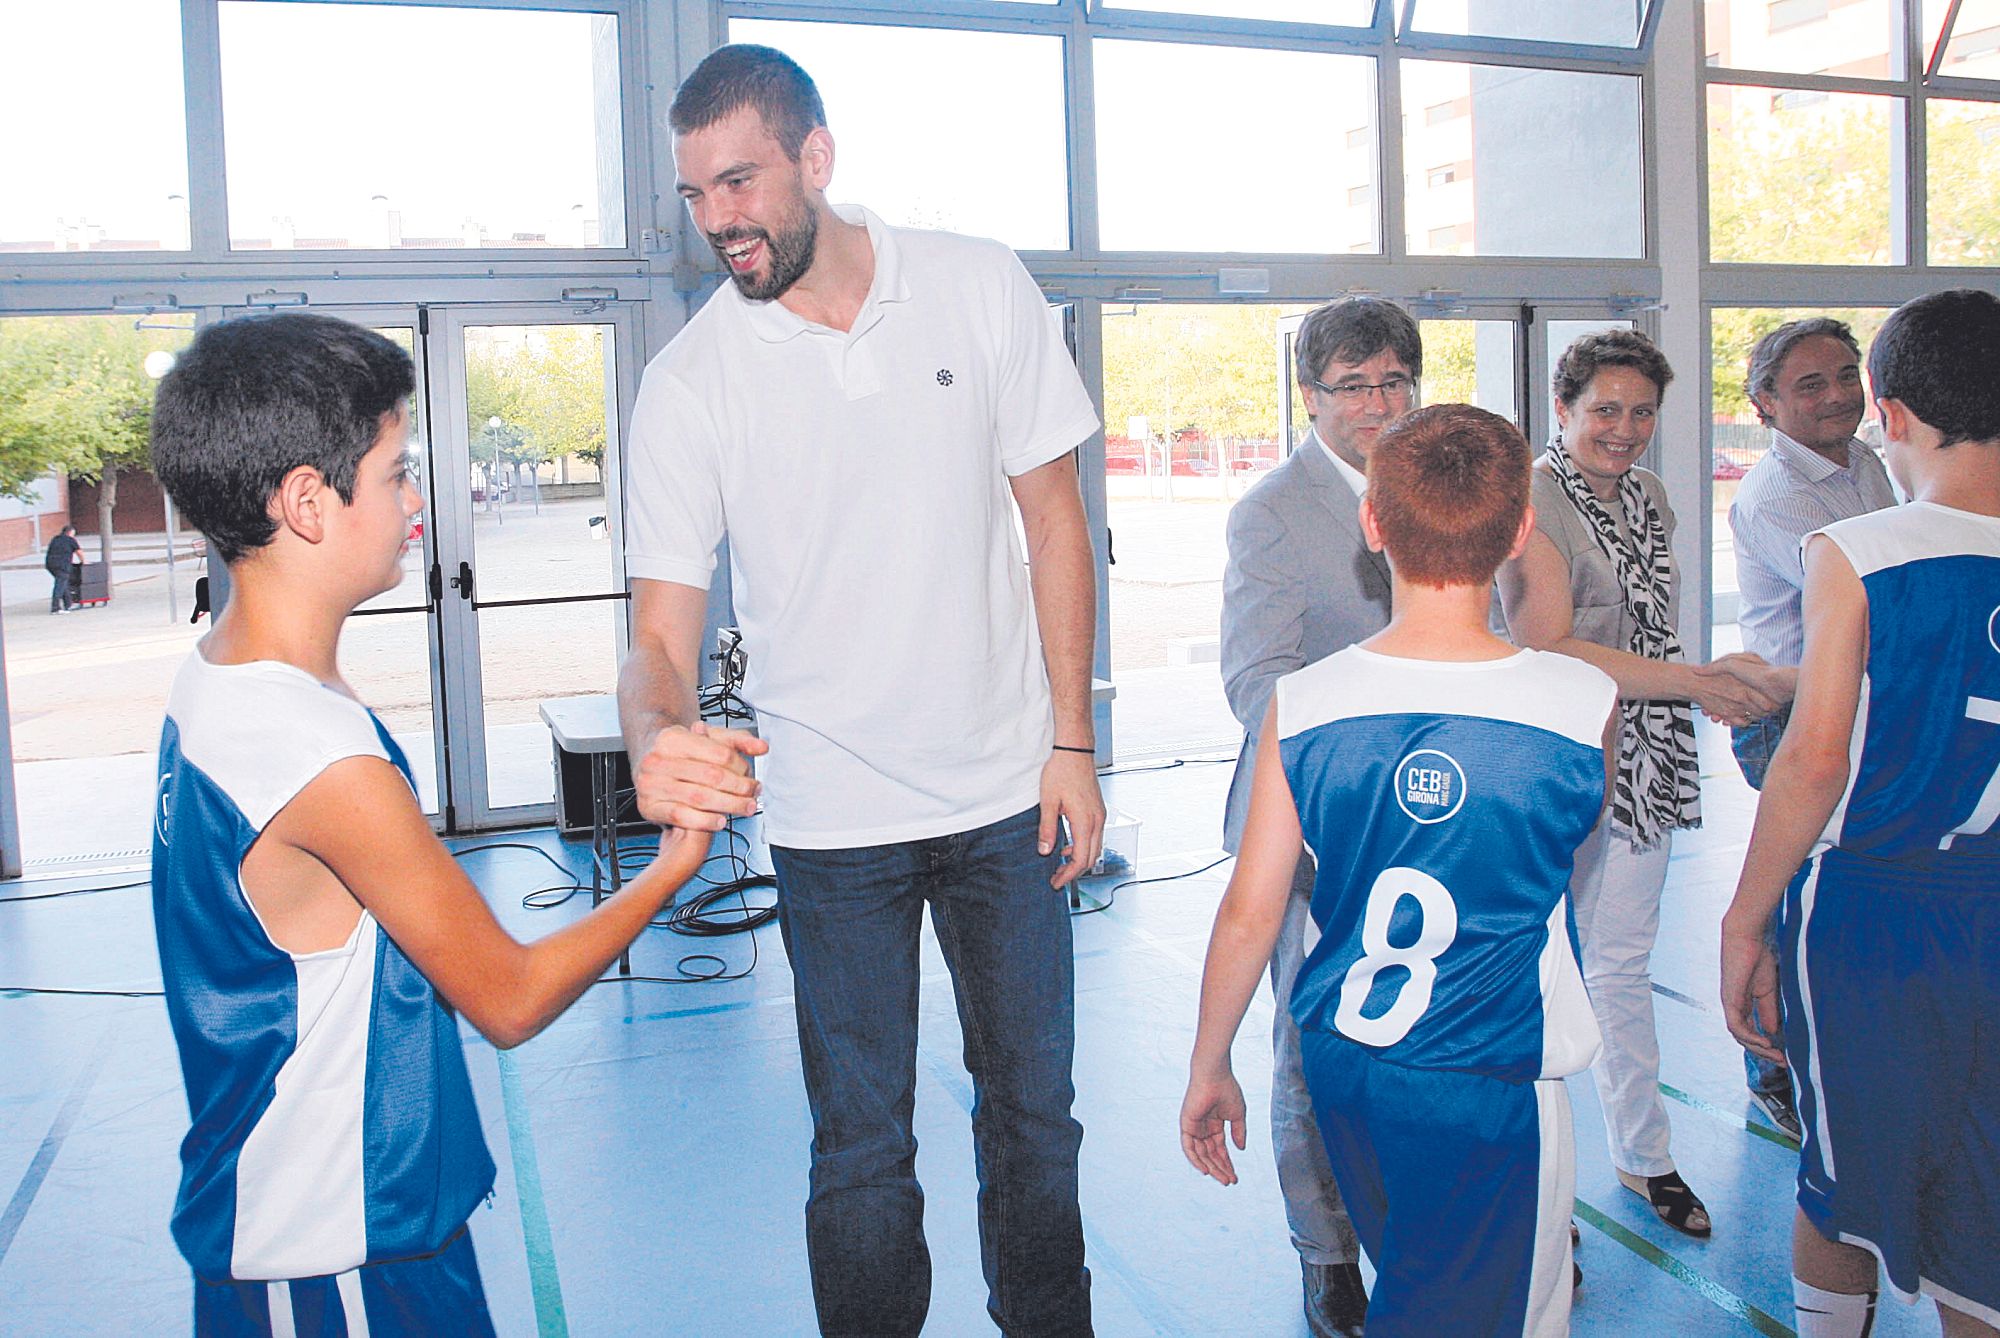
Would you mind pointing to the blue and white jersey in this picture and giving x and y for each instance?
(333, 1120)
(1924, 759)
(1444, 803)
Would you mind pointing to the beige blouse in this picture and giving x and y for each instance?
(1599, 616)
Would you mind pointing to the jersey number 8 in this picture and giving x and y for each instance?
(1439, 917)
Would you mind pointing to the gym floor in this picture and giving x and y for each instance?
(652, 1143)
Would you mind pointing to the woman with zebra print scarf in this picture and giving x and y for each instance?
(1598, 581)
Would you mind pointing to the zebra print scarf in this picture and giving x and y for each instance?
(1658, 787)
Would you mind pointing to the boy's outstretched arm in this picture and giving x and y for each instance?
(1807, 777)
(360, 820)
(1239, 951)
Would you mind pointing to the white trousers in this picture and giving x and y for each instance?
(1615, 892)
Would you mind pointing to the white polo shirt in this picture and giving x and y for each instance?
(861, 478)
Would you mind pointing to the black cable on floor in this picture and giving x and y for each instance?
(103, 994)
(705, 914)
(80, 892)
(1165, 766)
(77, 891)
(1111, 898)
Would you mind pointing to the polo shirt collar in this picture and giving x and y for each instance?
(1806, 461)
(774, 323)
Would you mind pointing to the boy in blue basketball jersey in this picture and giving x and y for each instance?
(1876, 832)
(313, 933)
(1443, 780)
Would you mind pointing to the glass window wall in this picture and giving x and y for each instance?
(956, 166)
(392, 127)
(1188, 135)
(1484, 178)
(1586, 22)
(1801, 177)
(94, 155)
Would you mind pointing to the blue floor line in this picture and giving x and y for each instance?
(52, 1144)
(550, 1319)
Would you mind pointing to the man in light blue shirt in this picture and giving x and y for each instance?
(1805, 381)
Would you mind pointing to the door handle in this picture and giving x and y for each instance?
(436, 583)
(463, 581)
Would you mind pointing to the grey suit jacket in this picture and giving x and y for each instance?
(1300, 585)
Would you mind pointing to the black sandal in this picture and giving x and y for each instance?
(1671, 1199)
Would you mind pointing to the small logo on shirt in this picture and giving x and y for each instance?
(1430, 786)
(1993, 629)
(944, 376)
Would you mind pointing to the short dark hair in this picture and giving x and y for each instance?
(1940, 355)
(1449, 484)
(1767, 358)
(743, 75)
(252, 399)
(1590, 354)
(1355, 329)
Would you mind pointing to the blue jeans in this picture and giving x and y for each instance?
(1755, 744)
(852, 921)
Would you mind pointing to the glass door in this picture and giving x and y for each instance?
(389, 649)
(86, 663)
(530, 586)
(1556, 328)
(515, 591)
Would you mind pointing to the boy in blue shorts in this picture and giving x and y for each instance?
(1443, 780)
(314, 936)
(1876, 833)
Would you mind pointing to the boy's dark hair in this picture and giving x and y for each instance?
(253, 399)
(1767, 359)
(1592, 353)
(1940, 355)
(1355, 329)
(1449, 485)
(743, 75)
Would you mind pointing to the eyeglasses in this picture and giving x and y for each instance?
(1396, 390)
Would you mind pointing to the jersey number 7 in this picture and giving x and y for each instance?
(1980, 820)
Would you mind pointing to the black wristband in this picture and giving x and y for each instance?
(1069, 748)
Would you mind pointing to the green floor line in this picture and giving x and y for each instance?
(1707, 1288)
(550, 1321)
(1783, 1140)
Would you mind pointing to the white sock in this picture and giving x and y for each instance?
(1832, 1314)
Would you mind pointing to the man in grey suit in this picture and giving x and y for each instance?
(1301, 585)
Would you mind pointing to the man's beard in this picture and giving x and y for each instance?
(789, 254)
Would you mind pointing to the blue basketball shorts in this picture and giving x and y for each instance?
(423, 1297)
(1460, 1187)
(1891, 973)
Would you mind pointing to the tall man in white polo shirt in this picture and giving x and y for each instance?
(854, 411)
(1805, 380)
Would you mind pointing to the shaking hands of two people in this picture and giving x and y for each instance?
(697, 778)
(1739, 689)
